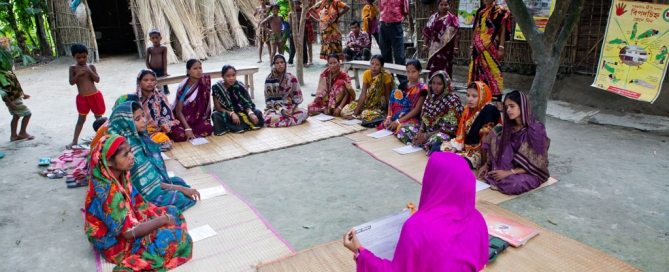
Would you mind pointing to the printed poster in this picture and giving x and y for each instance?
(633, 59)
(541, 10)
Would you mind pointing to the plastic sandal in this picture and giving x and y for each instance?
(2, 155)
(44, 161)
(73, 185)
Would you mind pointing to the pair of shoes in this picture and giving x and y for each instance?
(56, 174)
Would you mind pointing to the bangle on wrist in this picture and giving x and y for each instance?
(189, 129)
(513, 171)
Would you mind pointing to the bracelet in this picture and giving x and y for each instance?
(132, 231)
(501, 47)
(512, 171)
(189, 129)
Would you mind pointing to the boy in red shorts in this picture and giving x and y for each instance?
(89, 98)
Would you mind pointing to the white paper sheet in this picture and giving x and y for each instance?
(201, 233)
(170, 174)
(212, 192)
(408, 149)
(323, 117)
(199, 141)
(352, 122)
(480, 186)
(381, 236)
(165, 157)
(380, 134)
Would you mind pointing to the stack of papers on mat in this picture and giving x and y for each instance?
(480, 186)
(508, 230)
(380, 134)
(381, 236)
(199, 141)
(352, 122)
(201, 233)
(323, 117)
(212, 192)
(408, 149)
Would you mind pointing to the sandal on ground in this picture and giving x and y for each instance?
(44, 161)
(73, 185)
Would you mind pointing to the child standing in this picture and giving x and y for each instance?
(13, 96)
(275, 22)
(156, 57)
(262, 35)
(89, 99)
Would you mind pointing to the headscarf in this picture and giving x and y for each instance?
(485, 97)
(534, 128)
(447, 233)
(125, 98)
(436, 105)
(156, 106)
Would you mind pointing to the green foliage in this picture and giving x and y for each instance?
(18, 20)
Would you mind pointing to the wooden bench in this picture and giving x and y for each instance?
(247, 72)
(398, 69)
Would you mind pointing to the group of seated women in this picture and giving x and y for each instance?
(511, 156)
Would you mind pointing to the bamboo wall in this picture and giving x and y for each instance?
(69, 30)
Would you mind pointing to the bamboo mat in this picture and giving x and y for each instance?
(413, 165)
(243, 238)
(549, 251)
(231, 145)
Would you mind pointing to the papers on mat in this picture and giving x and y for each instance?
(199, 141)
(381, 236)
(165, 157)
(170, 174)
(407, 149)
(380, 134)
(323, 117)
(352, 122)
(480, 186)
(212, 192)
(201, 233)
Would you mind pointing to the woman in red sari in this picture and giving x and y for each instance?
(441, 39)
(192, 106)
(334, 90)
(491, 25)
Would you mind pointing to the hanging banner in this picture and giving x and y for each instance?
(467, 11)
(633, 59)
(541, 10)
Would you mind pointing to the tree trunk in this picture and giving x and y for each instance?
(44, 46)
(542, 85)
(298, 39)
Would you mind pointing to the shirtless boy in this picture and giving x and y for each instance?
(89, 98)
(275, 21)
(156, 57)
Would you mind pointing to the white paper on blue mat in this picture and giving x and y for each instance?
(480, 186)
(352, 122)
(199, 141)
(212, 192)
(201, 233)
(380, 134)
(407, 149)
(381, 236)
(323, 117)
(165, 157)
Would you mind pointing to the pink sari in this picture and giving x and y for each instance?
(447, 233)
(196, 109)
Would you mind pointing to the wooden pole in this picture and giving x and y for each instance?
(96, 53)
(133, 22)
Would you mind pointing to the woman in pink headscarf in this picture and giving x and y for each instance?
(447, 233)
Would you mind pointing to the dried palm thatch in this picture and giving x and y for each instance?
(165, 31)
(170, 11)
(189, 19)
(248, 8)
(221, 26)
(150, 19)
(213, 41)
(231, 14)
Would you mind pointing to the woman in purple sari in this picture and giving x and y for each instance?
(447, 233)
(441, 39)
(517, 160)
(192, 107)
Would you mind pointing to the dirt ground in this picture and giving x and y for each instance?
(611, 194)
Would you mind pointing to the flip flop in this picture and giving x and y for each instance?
(73, 185)
(2, 155)
(44, 161)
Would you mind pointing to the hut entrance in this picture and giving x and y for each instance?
(111, 20)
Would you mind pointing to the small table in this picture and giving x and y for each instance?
(247, 72)
(399, 69)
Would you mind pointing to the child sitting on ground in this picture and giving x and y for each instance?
(156, 57)
(13, 96)
(89, 99)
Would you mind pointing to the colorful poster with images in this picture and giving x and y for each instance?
(633, 59)
(541, 10)
(467, 11)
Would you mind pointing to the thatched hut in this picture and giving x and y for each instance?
(190, 28)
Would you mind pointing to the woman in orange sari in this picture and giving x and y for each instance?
(328, 13)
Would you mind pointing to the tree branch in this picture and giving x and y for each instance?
(555, 20)
(526, 22)
(572, 19)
